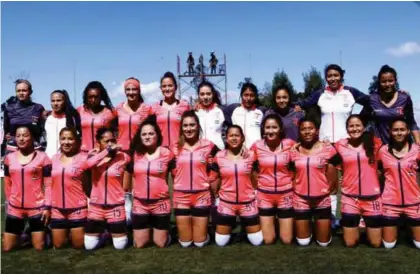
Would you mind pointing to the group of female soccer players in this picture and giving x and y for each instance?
(105, 167)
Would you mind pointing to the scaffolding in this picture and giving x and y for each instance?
(190, 78)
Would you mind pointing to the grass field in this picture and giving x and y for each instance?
(236, 258)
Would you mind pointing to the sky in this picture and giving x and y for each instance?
(111, 41)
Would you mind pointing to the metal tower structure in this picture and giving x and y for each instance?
(196, 72)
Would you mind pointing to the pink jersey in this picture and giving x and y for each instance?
(401, 188)
(90, 123)
(169, 121)
(360, 178)
(236, 185)
(24, 184)
(311, 180)
(128, 123)
(150, 177)
(191, 168)
(67, 180)
(274, 175)
(107, 181)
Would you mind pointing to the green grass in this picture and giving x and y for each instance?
(235, 258)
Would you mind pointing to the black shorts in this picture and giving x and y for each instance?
(229, 220)
(161, 222)
(351, 221)
(317, 213)
(281, 213)
(195, 211)
(94, 226)
(67, 224)
(16, 225)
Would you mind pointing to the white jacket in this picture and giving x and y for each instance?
(53, 125)
(250, 122)
(211, 122)
(335, 107)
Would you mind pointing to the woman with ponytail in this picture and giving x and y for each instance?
(63, 115)
(360, 190)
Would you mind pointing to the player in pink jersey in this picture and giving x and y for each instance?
(150, 168)
(93, 115)
(275, 185)
(106, 204)
(169, 110)
(237, 193)
(27, 176)
(399, 161)
(312, 189)
(69, 187)
(191, 195)
(360, 189)
(130, 114)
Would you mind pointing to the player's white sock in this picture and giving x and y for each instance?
(389, 245)
(91, 242)
(222, 240)
(304, 241)
(417, 244)
(120, 242)
(324, 244)
(255, 238)
(185, 244)
(202, 244)
(128, 206)
(334, 205)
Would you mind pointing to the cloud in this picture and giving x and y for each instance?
(406, 49)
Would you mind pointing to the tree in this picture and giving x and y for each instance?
(373, 86)
(24, 75)
(280, 78)
(312, 81)
(246, 80)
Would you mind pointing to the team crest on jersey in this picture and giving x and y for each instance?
(119, 170)
(413, 167)
(295, 121)
(203, 157)
(36, 173)
(248, 167)
(76, 172)
(321, 162)
(400, 110)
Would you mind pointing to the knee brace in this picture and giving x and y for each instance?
(256, 238)
(324, 244)
(202, 244)
(120, 242)
(91, 242)
(304, 242)
(389, 245)
(417, 244)
(222, 240)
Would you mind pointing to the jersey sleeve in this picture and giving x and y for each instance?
(93, 160)
(311, 100)
(228, 111)
(360, 97)
(409, 113)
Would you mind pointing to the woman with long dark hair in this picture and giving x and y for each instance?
(360, 188)
(93, 114)
(150, 167)
(168, 111)
(275, 183)
(27, 184)
(63, 115)
(399, 162)
(192, 182)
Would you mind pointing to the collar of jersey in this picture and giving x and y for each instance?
(327, 88)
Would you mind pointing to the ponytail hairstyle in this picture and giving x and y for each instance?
(72, 116)
(367, 137)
